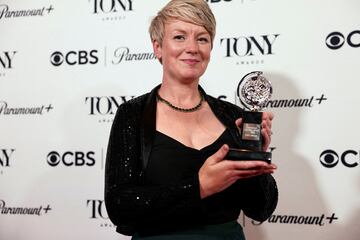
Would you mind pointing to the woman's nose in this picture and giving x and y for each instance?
(192, 46)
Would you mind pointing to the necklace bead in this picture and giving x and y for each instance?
(179, 109)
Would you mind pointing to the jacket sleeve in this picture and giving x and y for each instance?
(128, 202)
(260, 197)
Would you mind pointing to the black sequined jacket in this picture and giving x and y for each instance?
(132, 206)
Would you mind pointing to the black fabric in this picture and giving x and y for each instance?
(134, 206)
(171, 161)
(224, 231)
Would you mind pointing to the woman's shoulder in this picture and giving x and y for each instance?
(134, 105)
(136, 101)
(140, 101)
(135, 109)
(129, 112)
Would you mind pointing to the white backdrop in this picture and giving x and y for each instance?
(65, 66)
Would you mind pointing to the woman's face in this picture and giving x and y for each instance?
(185, 51)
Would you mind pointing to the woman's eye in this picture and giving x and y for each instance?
(179, 37)
(203, 40)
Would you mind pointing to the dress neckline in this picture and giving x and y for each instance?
(191, 148)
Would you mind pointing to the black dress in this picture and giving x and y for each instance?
(171, 161)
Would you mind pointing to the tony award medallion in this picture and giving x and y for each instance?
(253, 91)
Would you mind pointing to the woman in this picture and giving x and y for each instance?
(166, 174)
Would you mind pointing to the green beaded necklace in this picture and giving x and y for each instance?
(193, 109)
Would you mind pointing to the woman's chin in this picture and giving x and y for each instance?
(191, 77)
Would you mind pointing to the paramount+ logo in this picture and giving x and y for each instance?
(349, 158)
(71, 159)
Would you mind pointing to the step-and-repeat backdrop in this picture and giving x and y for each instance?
(65, 67)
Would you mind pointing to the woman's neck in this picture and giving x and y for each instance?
(180, 93)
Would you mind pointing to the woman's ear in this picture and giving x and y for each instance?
(157, 50)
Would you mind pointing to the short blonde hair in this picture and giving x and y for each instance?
(193, 11)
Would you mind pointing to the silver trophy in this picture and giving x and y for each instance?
(254, 91)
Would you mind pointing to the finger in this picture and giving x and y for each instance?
(220, 154)
(266, 123)
(251, 164)
(268, 115)
(266, 127)
(257, 171)
(238, 122)
(253, 173)
(273, 166)
(266, 139)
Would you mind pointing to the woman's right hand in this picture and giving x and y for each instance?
(217, 173)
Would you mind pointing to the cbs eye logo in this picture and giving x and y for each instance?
(349, 158)
(69, 159)
(336, 40)
(57, 58)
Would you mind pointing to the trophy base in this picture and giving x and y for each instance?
(241, 154)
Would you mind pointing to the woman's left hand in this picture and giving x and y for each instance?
(266, 132)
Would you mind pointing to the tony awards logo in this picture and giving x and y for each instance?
(254, 91)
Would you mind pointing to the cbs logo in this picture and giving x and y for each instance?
(336, 40)
(71, 58)
(349, 158)
(69, 159)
